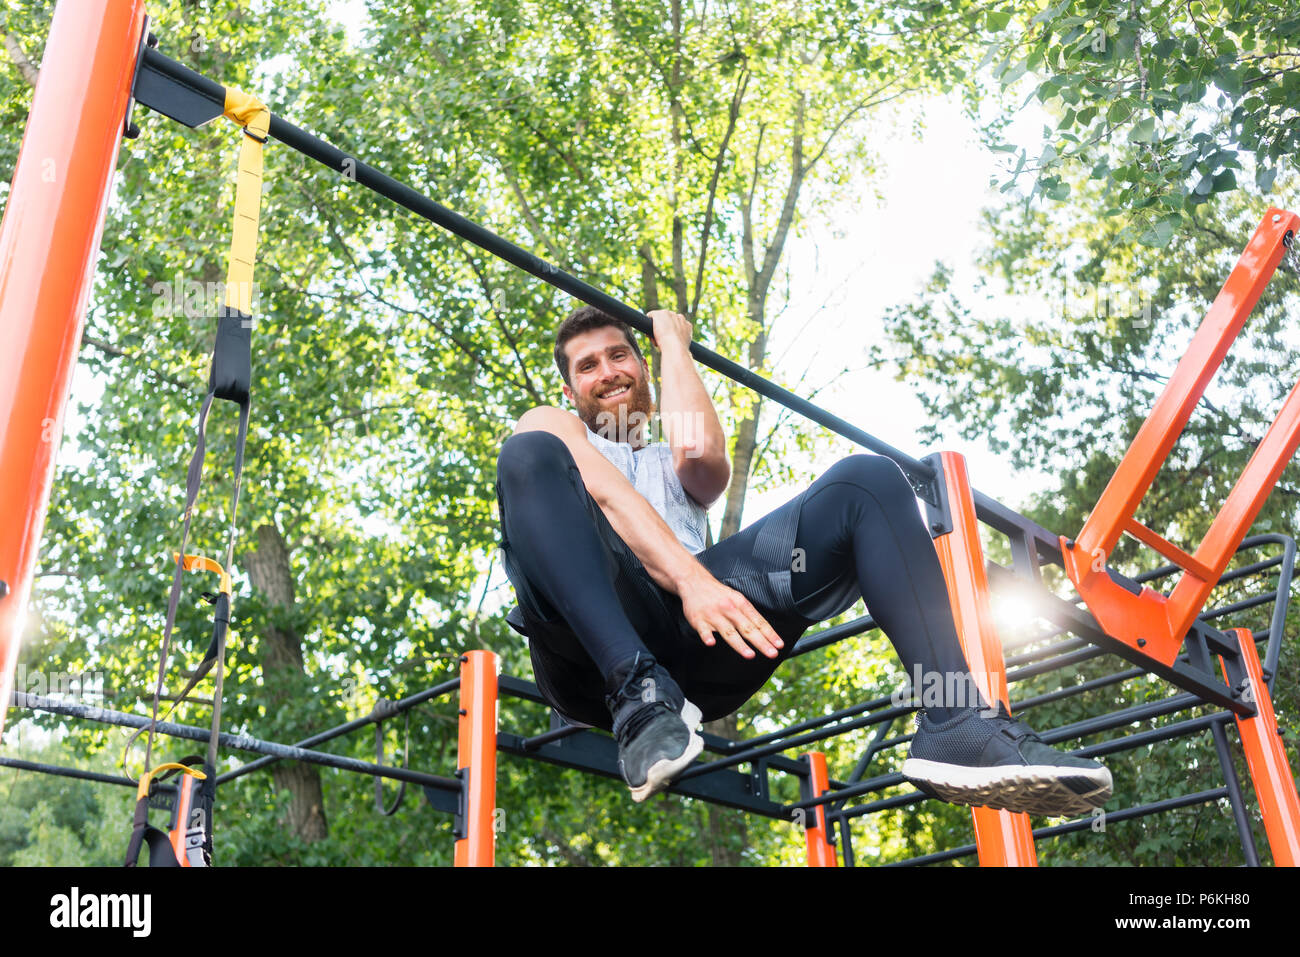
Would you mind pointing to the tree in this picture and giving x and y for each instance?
(1177, 97)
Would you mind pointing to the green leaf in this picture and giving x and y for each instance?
(997, 20)
(1158, 235)
(1225, 181)
(1144, 131)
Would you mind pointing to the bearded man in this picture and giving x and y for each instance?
(603, 538)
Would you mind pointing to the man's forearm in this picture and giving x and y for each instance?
(631, 516)
(648, 536)
(689, 420)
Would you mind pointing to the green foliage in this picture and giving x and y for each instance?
(1179, 97)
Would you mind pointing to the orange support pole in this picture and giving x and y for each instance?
(1149, 622)
(1002, 838)
(1270, 772)
(476, 764)
(48, 244)
(821, 852)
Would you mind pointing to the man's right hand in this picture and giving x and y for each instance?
(709, 606)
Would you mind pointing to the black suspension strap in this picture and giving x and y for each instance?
(384, 709)
(229, 379)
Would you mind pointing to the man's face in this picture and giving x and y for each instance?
(610, 383)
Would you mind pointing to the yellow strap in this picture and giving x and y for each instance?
(192, 563)
(143, 789)
(255, 118)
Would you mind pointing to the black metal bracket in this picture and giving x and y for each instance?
(175, 91)
(147, 39)
(458, 829)
(934, 493)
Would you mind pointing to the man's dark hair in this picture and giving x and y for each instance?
(584, 320)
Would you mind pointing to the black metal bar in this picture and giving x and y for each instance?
(1253, 602)
(598, 754)
(538, 740)
(798, 741)
(241, 742)
(1277, 626)
(65, 772)
(1235, 797)
(397, 707)
(1200, 654)
(877, 744)
(829, 636)
(1081, 622)
(808, 724)
(1141, 810)
(366, 175)
(846, 842)
(1060, 647)
(1114, 746)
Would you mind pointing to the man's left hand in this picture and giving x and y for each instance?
(670, 328)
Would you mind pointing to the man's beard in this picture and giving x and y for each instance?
(626, 421)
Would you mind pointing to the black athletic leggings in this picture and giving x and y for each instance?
(858, 519)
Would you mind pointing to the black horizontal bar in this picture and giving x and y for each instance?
(394, 708)
(65, 772)
(1140, 810)
(829, 636)
(242, 742)
(354, 169)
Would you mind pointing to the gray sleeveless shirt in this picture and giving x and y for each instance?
(650, 470)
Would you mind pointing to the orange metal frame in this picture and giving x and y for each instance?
(1266, 758)
(1152, 624)
(476, 763)
(48, 245)
(821, 852)
(1002, 838)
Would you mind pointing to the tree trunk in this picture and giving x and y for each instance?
(269, 571)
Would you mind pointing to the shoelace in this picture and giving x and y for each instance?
(641, 718)
(629, 691)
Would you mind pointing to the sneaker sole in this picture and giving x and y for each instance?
(1031, 789)
(662, 772)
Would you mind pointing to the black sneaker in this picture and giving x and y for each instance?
(655, 727)
(992, 760)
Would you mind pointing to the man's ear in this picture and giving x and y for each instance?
(568, 394)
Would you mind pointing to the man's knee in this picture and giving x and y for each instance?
(525, 455)
(874, 473)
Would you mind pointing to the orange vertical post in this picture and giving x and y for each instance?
(48, 243)
(1002, 838)
(1270, 771)
(821, 852)
(476, 763)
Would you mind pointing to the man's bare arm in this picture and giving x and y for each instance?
(689, 419)
(706, 602)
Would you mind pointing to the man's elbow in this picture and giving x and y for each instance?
(706, 480)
